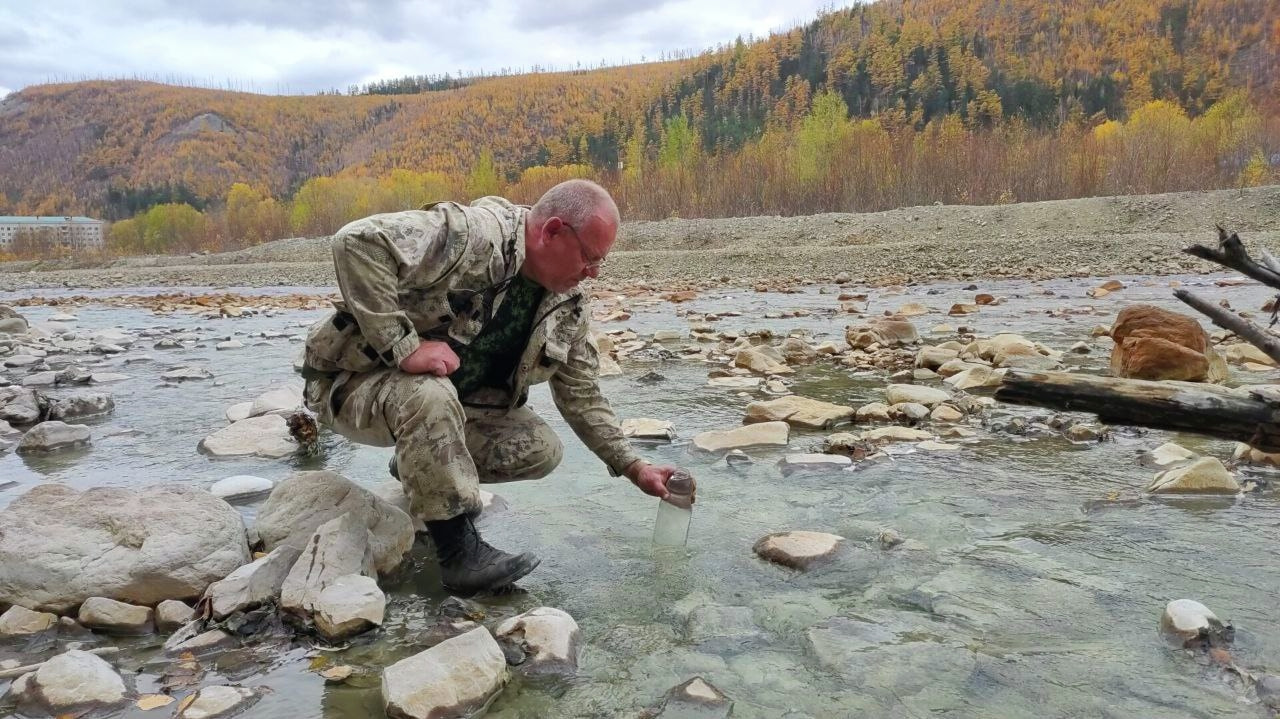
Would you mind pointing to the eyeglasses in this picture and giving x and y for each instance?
(587, 262)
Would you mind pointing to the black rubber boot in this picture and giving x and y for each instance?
(468, 563)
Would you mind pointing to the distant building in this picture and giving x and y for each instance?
(76, 233)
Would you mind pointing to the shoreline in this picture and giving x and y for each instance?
(1127, 235)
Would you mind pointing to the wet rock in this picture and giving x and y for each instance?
(255, 583)
(20, 405)
(19, 621)
(112, 617)
(1080, 348)
(976, 378)
(1011, 350)
(13, 326)
(349, 605)
(165, 541)
(1157, 344)
(229, 345)
(1168, 455)
(798, 411)
(240, 486)
(266, 436)
(737, 458)
(645, 428)
(962, 309)
(946, 413)
(40, 379)
(337, 548)
(191, 639)
(52, 436)
(874, 412)
(218, 701)
(894, 434)
(886, 332)
(930, 445)
(764, 434)
(1188, 623)
(934, 357)
(956, 366)
(797, 549)
(1248, 455)
(735, 382)
(105, 377)
(455, 678)
(280, 400)
(182, 374)
(1268, 688)
(875, 656)
(796, 351)
(1083, 433)
(1242, 353)
(81, 404)
(694, 699)
(756, 360)
(238, 411)
(172, 614)
(546, 638)
(913, 412)
(72, 682)
(1206, 475)
(306, 500)
(793, 463)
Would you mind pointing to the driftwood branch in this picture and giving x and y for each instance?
(1178, 406)
(1270, 261)
(1230, 253)
(19, 671)
(1226, 319)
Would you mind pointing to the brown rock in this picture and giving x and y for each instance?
(1157, 344)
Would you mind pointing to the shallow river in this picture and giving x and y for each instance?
(1035, 590)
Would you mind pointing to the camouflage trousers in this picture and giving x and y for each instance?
(444, 450)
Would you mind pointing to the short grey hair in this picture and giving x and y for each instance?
(575, 202)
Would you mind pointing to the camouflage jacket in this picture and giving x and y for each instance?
(439, 274)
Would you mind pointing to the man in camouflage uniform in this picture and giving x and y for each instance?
(448, 315)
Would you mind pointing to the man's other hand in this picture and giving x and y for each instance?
(436, 358)
(651, 479)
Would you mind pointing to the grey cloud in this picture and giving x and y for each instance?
(586, 16)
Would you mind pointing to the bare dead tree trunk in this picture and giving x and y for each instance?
(1179, 406)
(1228, 320)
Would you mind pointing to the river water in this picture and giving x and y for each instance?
(1032, 586)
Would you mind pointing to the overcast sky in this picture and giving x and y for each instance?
(303, 46)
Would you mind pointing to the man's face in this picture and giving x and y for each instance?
(571, 254)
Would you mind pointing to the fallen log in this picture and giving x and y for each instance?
(1256, 335)
(1230, 253)
(1249, 417)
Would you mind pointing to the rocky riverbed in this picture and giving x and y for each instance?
(874, 534)
(1141, 234)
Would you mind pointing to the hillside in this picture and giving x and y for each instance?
(995, 66)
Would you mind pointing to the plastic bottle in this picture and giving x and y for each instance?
(671, 528)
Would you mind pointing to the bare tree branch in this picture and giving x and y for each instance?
(1226, 319)
(1231, 254)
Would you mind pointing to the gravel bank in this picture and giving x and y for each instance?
(1141, 234)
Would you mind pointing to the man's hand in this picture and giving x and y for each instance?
(436, 358)
(651, 479)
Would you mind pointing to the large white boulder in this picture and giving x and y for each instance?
(547, 637)
(1206, 475)
(281, 400)
(339, 547)
(112, 617)
(81, 404)
(218, 701)
(266, 436)
(799, 411)
(349, 605)
(20, 622)
(764, 434)
(74, 681)
(255, 583)
(61, 546)
(52, 435)
(797, 549)
(240, 486)
(1186, 621)
(456, 678)
(927, 396)
(304, 501)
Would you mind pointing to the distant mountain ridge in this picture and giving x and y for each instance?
(117, 147)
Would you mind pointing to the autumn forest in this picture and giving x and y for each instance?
(890, 104)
